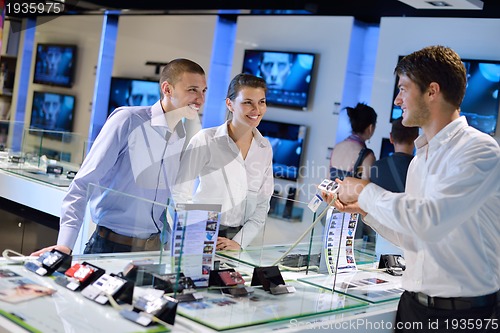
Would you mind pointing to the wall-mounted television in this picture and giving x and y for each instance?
(132, 92)
(52, 111)
(288, 75)
(387, 148)
(287, 141)
(480, 104)
(55, 64)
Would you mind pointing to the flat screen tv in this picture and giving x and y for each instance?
(55, 64)
(387, 148)
(52, 111)
(288, 75)
(132, 92)
(480, 104)
(287, 141)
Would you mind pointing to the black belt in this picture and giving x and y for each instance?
(112, 236)
(455, 303)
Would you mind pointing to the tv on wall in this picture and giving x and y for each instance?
(55, 64)
(132, 92)
(288, 75)
(287, 141)
(387, 148)
(52, 111)
(480, 104)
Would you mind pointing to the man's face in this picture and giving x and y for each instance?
(143, 93)
(53, 57)
(51, 107)
(190, 91)
(275, 68)
(412, 102)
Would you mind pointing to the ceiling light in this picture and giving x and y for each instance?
(445, 4)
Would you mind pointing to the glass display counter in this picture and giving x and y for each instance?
(187, 251)
(310, 305)
(51, 157)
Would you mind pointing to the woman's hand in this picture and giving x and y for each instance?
(224, 243)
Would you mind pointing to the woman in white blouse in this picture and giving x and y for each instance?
(233, 163)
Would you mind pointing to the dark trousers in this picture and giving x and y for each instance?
(415, 317)
(98, 244)
(104, 240)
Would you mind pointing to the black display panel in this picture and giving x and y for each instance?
(287, 141)
(55, 64)
(52, 111)
(288, 75)
(132, 92)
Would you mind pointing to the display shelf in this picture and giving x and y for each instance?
(55, 312)
(261, 307)
(370, 286)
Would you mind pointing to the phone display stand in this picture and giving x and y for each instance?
(232, 280)
(79, 276)
(110, 284)
(394, 264)
(50, 262)
(145, 274)
(270, 279)
(146, 308)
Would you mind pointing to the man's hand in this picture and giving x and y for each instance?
(350, 188)
(349, 208)
(61, 248)
(224, 243)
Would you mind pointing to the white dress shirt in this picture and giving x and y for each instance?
(126, 172)
(448, 220)
(242, 186)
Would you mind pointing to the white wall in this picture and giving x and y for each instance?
(161, 39)
(470, 38)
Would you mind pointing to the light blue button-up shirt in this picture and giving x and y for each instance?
(128, 169)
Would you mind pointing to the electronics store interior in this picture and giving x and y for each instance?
(307, 265)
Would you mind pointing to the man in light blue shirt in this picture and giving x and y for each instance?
(127, 174)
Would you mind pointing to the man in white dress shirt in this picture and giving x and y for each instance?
(447, 220)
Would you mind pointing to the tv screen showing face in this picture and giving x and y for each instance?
(480, 104)
(287, 141)
(55, 64)
(52, 111)
(288, 75)
(132, 92)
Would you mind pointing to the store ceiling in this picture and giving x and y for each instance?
(364, 10)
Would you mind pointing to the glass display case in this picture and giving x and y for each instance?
(187, 268)
(51, 157)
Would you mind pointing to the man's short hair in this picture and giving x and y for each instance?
(401, 133)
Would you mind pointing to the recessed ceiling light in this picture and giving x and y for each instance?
(439, 3)
(446, 4)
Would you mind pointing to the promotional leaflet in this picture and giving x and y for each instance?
(194, 239)
(339, 241)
